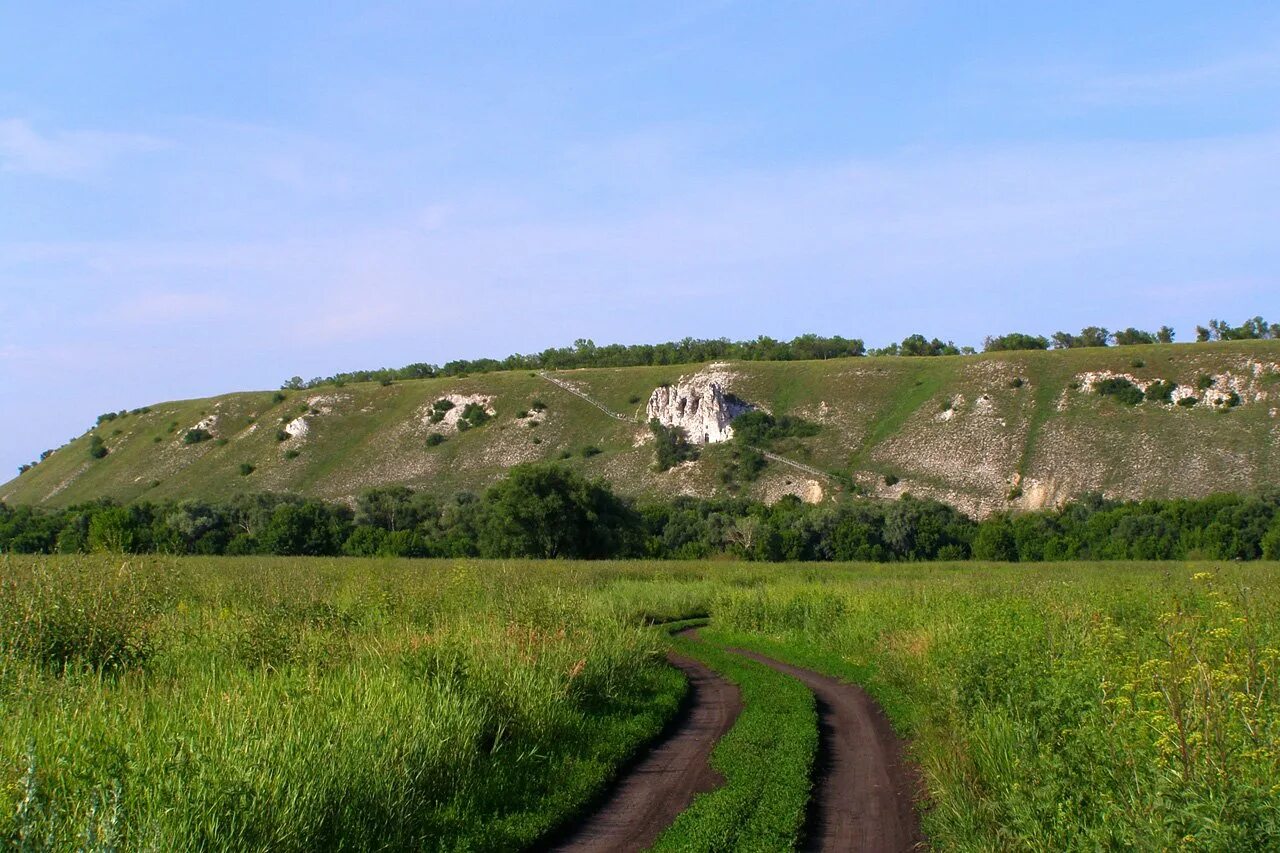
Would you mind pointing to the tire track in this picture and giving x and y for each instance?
(648, 797)
(865, 788)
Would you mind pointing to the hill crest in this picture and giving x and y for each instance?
(1010, 430)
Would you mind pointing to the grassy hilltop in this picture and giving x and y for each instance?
(1017, 430)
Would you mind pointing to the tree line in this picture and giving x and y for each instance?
(549, 511)
(585, 353)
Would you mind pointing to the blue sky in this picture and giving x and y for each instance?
(206, 197)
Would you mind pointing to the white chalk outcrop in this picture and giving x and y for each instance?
(449, 419)
(209, 424)
(298, 427)
(699, 405)
(1222, 390)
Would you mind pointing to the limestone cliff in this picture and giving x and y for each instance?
(699, 405)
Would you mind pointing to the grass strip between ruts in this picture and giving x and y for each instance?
(896, 705)
(766, 758)
(907, 719)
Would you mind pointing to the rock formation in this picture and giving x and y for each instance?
(699, 405)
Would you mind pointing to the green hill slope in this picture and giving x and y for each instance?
(1010, 430)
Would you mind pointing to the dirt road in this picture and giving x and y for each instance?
(864, 794)
(648, 797)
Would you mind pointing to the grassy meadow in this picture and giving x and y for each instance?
(301, 704)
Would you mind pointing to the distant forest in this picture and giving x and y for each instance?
(585, 353)
(549, 511)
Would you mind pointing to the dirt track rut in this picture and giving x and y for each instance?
(865, 788)
(647, 798)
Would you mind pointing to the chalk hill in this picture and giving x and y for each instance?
(1018, 430)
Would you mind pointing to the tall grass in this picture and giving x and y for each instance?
(1077, 707)
(300, 705)
(303, 704)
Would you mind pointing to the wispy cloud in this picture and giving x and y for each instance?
(1082, 227)
(65, 154)
(1246, 71)
(154, 307)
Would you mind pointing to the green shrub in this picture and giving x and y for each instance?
(97, 447)
(435, 439)
(1271, 542)
(1161, 391)
(537, 405)
(292, 453)
(1188, 402)
(473, 415)
(384, 381)
(1121, 389)
(590, 450)
(522, 414)
(671, 447)
(197, 435)
(741, 464)
(281, 435)
(279, 397)
(633, 399)
(246, 469)
(761, 428)
(891, 479)
(1016, 382)
(1204, 382)
(438, 409)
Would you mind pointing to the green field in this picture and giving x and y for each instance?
(302, 704)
